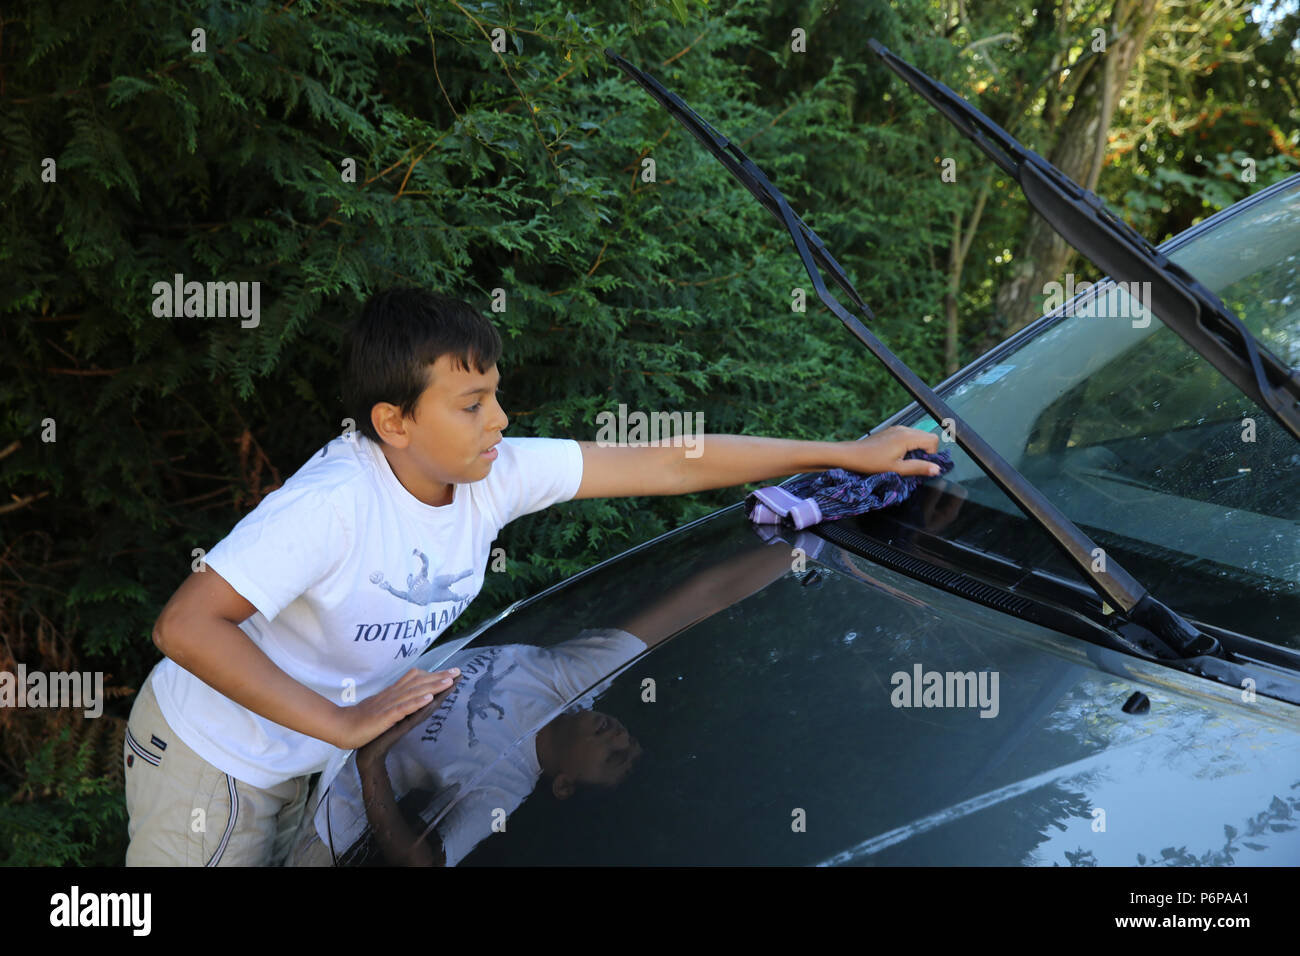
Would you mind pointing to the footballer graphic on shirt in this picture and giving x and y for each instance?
(420, 589)
(480, 702)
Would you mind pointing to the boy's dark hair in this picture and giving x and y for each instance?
(400, 333)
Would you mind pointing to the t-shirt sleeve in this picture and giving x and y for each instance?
(282, 548)
(531, 474)
(581, 666)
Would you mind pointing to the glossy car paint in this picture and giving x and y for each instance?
(780, 711)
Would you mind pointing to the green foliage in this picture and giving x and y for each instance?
(1218, 185)
(81, 821)
(1214, 123)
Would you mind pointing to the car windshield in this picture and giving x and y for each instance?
(1151, 451)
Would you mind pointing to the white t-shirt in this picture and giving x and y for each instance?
(477, 752)
(353, 577)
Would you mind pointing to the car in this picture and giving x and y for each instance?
(955, 679)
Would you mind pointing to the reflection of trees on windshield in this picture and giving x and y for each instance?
(1267, 300)
(1156, 385)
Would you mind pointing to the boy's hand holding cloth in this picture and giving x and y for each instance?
(838, 493)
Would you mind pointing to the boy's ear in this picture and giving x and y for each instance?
(387, 421)
(562, 786)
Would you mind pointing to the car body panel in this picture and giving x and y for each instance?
(778, 712)
(783, 704)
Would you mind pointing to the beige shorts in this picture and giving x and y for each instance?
(185, 812)
(310, 850)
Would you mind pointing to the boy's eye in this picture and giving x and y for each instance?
(477, 405)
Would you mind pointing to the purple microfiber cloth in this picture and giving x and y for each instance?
(834, 494)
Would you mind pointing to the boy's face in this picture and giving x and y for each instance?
(597, 750)
(457, 422)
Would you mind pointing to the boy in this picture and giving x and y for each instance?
(290, 645)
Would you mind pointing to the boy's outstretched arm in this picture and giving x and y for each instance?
(709, 591)
(616, 471)
(198, 629)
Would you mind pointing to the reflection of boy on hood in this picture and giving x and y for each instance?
(470, 757)
(579, 752)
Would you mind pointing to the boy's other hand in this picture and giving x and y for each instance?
(373, 753)
(884, 451)
(368, 719)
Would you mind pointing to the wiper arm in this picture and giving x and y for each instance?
(1170, 634)
(1182, 303)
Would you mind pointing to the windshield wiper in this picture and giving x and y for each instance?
(1170, 636)
(1080, 217)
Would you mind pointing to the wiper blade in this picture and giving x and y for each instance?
(1079, 216)
(1171, 635)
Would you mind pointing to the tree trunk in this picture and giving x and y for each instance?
(1079, 150)
(958, 249)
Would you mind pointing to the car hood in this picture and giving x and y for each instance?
(821, 720)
